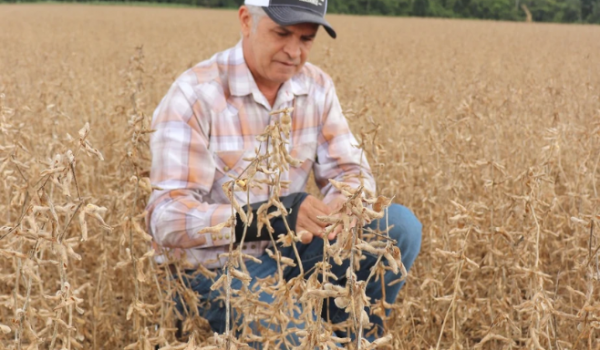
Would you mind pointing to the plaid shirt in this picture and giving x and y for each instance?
(207, 124)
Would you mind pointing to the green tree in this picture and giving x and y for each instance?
(421, 8)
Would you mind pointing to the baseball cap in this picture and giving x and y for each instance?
(291, 12)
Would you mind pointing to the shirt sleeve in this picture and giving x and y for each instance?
(338, 158)
(184, 170)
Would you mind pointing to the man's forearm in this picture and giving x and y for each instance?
(179, 216)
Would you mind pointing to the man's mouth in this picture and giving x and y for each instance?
(287, 64)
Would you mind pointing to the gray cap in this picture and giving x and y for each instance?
(291, 12)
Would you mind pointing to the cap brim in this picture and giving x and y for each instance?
(289, 16)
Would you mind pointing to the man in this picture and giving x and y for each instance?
(206, 128)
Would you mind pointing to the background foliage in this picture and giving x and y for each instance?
(565, 11)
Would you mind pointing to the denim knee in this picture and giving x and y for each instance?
(407, 231)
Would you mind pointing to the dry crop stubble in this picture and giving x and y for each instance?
(489, 131)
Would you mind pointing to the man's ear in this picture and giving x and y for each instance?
(245, 21)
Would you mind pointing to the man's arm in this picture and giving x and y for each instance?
(337, 156)
(184, 169)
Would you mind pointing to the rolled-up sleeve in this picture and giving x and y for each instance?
(184, 170)
(338, 158)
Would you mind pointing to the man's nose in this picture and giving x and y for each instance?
(292, 48)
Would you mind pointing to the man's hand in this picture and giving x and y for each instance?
(335, 205)
(307, 224)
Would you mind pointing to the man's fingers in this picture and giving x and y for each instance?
(307, 219)
(305, 237)
(336, 231)
(336, 204)
(321, 207)
(311, 208)
(308, 225)
(318, 222)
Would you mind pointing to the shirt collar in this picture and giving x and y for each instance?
(241, 81)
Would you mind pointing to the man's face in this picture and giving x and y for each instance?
(276, 53)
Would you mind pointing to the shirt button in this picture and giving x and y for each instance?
(227, 236)
(226, 168)
(253, 246)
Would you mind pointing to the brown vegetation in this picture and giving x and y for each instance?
(490, 132)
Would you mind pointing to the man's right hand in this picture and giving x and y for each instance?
(307, 224)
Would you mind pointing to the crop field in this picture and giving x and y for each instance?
(488, 131)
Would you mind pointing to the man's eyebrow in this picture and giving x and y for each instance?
(310, 36)
(287, 31)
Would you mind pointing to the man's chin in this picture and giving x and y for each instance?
(285, 75)
(281, 78)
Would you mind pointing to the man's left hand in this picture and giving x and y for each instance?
(335, 205)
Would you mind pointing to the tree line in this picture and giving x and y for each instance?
(564, 11)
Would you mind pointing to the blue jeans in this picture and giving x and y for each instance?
(406, 231)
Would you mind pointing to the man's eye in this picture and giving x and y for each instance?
(282, 34)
